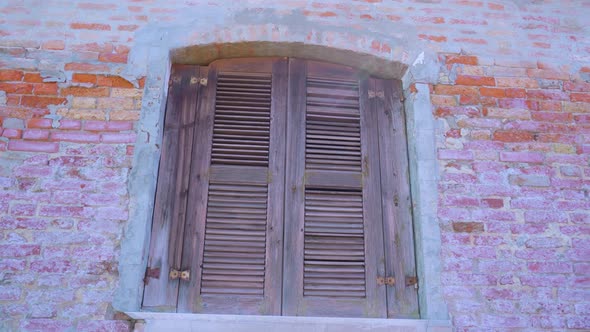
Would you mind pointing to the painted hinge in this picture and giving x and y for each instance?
(378, 94)
(177, 274)
(389, 281)
(412, 281)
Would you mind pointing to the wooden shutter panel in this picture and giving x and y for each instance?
(171, 192)
(239, 175)
(402, 299)
(333, 230)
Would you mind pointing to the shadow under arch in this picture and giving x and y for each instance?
(372, 64)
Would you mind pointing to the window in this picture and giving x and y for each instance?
(282, 190)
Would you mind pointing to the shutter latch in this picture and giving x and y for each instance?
(176, 274)
(412, 281)
(389, 281)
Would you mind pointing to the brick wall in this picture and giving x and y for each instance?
(512, 101)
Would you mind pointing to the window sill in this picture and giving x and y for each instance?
(160, 322)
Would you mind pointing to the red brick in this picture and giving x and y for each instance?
(11, 75)
(61, 211)
(83, 78)
(33, 78)
(90, 26)
(54, 45)
(85, 92)
(576, 86)
(494, 203)
(114, 81)
(128, 27)
(33, 146)
(438, 39)
(45, 89)
(547, 95)
(475, 80)
(41, 102)
(468, 227)
(515, 93)
(113, 57)
(513, 136)
(463, 59)
(39, 123)
(583, 97)
(79, 137)
(493, 92)
(20, 88)
(552, 116)
(455, 90)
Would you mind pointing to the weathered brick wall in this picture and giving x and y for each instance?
(512, 102)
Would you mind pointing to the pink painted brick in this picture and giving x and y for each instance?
(77, 137)
(550, 267)
(455, 154)
(52, 266)
(19, 250)
(11, 133)
(9, 292)
(61, 211)
(33, 146)
(108, 125)
(118, 138)
(522, 157)
(36, 134)
(70, 124)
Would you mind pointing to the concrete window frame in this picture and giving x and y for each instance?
(155, 62)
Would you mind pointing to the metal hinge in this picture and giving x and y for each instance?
(412, 281)
(389, 281)
(151, 273)
(378, 94)
(203, 81)
(176, 274)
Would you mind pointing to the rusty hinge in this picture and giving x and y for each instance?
(176, 274)
(389, 281)
(151, 273)
(412, 281)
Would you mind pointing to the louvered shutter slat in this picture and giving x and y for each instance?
(239, 229)
(331, 276)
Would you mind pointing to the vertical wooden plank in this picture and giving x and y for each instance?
(396, 200)
(160, 293)
(276, 189)
(294, 189)
(188, 298)
(373, 225)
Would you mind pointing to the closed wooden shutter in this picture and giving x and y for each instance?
(236, 204)
(165, 251)
(333, 230)
(283, 189)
